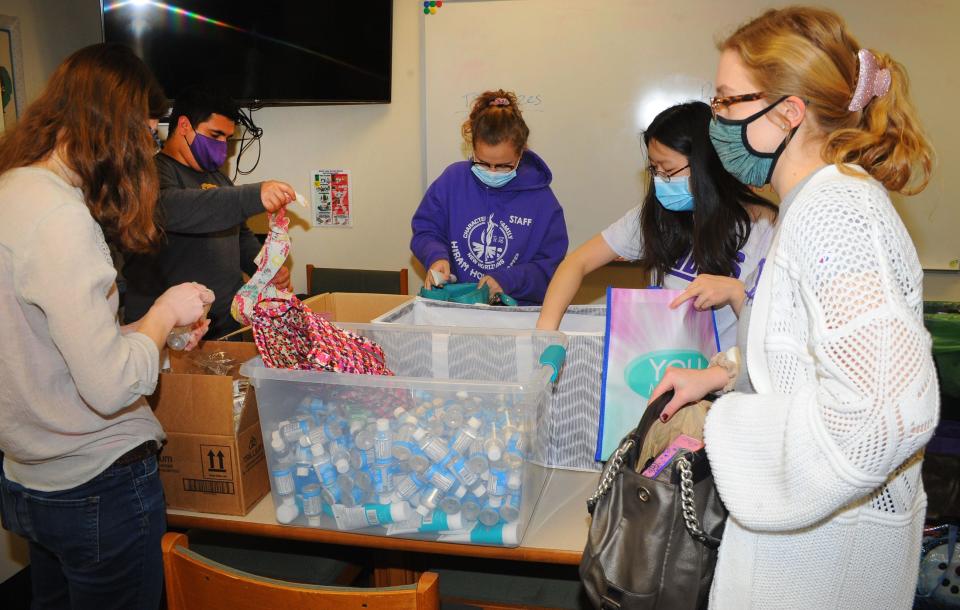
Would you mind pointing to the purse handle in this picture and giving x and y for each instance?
(632, 441)
(628, 448)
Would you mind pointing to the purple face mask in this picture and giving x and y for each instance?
(209, 153)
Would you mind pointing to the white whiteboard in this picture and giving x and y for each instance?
(592, 74)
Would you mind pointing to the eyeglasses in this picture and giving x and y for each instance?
(498, 168)
(720, 103)
(664, 175)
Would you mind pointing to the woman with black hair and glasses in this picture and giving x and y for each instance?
(698, 229)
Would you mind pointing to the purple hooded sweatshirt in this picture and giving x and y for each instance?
(515, 234)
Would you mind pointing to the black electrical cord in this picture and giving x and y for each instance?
(250, 134)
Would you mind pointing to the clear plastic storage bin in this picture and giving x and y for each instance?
(575, 406)
(445, 450)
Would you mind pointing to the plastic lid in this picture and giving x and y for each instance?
(514, 480)
(343, 465)
(511, 533)
(287, 511)
(455, 521)
(314, 521)
(494, 453)
(488, 517)
(423, 511)
(317, 450)
(383, 424)
(419, 433)
(399, 511)
(474, 423)
(461, 491)
(462, 395)
(509, 513)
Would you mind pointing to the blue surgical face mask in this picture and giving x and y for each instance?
(674, 195)
(744, 163)
(493, 179)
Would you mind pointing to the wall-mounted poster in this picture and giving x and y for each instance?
(330, 198)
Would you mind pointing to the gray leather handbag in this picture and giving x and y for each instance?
(653, 542)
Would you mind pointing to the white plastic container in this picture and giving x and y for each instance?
(414, 467)
(574, 419)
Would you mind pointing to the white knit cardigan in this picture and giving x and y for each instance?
(820, 469)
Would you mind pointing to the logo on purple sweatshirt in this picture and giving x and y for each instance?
(489, 243)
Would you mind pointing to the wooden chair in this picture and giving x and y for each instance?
(325, 279)
(194, 582)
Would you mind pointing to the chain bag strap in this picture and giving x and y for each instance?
(653, 541)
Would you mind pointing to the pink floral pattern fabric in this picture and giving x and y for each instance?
(287, 334)
(290, 336)
(274, 253)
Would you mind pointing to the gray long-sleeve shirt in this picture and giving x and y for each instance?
(71, 385)
(206, 240)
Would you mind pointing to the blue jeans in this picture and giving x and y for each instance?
(97, 545)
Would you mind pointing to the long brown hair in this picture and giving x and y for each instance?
(809, 53)
(93, 113)
(494, 118)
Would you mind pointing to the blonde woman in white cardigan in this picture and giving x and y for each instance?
(819, 460)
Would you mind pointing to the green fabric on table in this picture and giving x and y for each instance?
(942, 319)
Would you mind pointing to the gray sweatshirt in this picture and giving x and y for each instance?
(206, 240)
(72, 386)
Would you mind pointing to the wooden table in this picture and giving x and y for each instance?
(556, 533)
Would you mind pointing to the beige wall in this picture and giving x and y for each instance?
(380, 144)
(51, 30)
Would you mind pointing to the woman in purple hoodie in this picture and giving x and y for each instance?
(493, 219)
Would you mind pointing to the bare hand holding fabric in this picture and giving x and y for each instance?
(276, 195)
(282, 279)
(689, 386)
(491, 283)
(442, 267)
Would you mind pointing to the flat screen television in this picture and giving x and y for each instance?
(262, 52)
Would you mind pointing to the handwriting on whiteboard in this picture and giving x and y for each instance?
(529, 102)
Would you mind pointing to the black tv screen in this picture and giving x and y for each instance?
(262, 51)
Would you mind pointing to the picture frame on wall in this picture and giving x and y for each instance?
(12, 92)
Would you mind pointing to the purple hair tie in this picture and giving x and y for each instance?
(872, 81)
(499, 101)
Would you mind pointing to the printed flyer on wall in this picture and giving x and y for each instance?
(331, 198)
(644, 338)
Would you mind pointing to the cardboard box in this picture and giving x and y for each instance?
(207, 464)
(356, 307)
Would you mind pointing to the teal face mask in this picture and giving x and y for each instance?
(674, 195)
(747, 165)
(493, 179)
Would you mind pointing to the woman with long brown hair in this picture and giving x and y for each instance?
(79, 478)
(819, 465)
